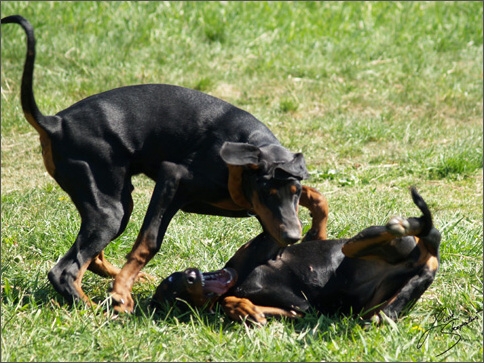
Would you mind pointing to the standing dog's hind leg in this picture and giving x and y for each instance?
(103, 218)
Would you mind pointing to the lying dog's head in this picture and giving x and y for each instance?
(194, 287)
(266, 181)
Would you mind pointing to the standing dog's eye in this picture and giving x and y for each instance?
(296, 189)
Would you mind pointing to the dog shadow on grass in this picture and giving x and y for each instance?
(44, 296)
(216, 319)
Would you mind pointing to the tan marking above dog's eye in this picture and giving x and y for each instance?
(293, 189)
(273, 191)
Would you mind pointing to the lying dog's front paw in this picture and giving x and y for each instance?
(398, 226)
(240, 309)
(121, 303)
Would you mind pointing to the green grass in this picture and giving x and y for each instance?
(377, 95)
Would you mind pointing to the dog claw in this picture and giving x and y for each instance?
(121, 304)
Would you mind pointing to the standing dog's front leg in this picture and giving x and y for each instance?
(162, 208)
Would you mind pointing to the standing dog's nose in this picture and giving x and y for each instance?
(290, 236)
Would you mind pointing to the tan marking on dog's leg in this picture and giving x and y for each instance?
(357, 248)
(273, 311)
(433, 263)
(102, 267)
(426, 257)
(241, 309)
(46, 145)
(124, 280)
(78, 284)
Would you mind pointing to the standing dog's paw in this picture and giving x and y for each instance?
(121, 303)
(398, 226)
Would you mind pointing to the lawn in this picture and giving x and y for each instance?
(378, 96)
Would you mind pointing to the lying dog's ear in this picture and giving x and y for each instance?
(240, 154)
(295, 168)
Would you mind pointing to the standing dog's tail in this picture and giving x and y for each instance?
(45, 125)
(29, 106)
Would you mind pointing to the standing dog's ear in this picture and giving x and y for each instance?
(240, 154)
(274, 160)
(295, 168)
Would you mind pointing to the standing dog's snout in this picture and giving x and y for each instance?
(290, 239)
(290, 235)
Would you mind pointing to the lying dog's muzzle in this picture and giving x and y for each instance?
(194, 287)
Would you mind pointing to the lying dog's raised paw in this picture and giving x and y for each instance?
(398, 226)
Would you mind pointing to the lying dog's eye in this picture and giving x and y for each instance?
(191, 278)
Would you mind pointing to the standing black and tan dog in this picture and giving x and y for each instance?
(205, 155)
(381, 269)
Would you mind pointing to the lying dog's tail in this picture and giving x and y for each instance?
(29, 106)
(424, 224)
(426, 218)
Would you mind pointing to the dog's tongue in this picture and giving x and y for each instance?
(216, 287)
(220, 281)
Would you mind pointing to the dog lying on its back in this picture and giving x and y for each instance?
(381, 269)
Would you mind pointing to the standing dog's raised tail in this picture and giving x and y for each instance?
(29, 106)
(45, 125)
